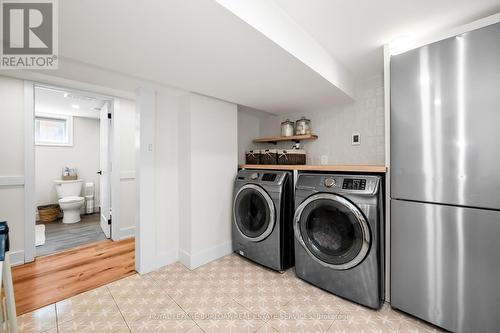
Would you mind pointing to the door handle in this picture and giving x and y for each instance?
(99, 172)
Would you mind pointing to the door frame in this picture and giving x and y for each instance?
(29, 161)
(106, 170)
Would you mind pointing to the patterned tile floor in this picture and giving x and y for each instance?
(230, 294)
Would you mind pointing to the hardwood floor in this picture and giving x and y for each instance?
(60, 236)
(58, 276)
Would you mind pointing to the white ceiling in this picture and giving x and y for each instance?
(196, 45)
(200, 46)
(55, 101)
(354, 31)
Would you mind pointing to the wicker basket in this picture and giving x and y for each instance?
(72, 177)
(269, 156)
(48, 213)
(291, 156)
(252, 157)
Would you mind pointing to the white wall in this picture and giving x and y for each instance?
(182, 159)
(83, 155)
(248, 129)
(12, 163)
(208, 152)
(335, 126)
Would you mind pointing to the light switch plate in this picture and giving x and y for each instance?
(355, 139)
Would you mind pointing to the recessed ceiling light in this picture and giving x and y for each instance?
(66, 95)
(75, 106)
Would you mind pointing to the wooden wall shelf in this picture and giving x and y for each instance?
(276, 139)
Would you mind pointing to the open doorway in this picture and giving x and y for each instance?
(72, 145)
(75, 267)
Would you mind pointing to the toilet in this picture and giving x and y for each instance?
(70, 200)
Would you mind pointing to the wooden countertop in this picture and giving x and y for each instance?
(341, 168)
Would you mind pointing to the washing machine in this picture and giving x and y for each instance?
(262, 228)
(338, 229)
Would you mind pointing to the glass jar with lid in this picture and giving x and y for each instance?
(303, 126)
(287, 128)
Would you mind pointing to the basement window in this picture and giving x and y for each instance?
(53, 130)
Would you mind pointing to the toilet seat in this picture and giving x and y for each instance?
(68, 200)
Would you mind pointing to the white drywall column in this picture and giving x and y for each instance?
(184, 171)
(208, 157)
(166, 176)
(145, 249)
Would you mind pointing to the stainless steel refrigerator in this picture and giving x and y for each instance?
(445, 182)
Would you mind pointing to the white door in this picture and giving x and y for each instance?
(105, 172)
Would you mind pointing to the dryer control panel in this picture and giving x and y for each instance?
(355, 184)
(269, 177)
(263, 177)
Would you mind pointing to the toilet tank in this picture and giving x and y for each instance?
(68, 188)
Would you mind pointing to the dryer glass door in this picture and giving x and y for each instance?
(254, 212)
(332, 230)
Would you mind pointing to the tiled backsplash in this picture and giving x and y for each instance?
(335, 126)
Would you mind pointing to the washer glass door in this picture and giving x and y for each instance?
(254, 213)
(332, 230)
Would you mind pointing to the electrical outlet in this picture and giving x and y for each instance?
(355, 139)
(324, 159)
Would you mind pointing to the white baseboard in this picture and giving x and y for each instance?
(167, 258)
(185, 258)
(193, 261)
(16, 257)
(127, 232)
(161, 259)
